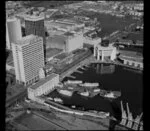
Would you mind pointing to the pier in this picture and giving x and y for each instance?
(75, 67)
(70, 76)
(78, 71)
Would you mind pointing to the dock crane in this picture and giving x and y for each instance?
(124, 116)
(141, 126)
(137, 121)
(130, 117)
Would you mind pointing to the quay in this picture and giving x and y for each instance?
(75, 67)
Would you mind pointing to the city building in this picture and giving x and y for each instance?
(105, 52)
(43, 86)
(13, 31)
(131, 58)
(28, 56)
(67, 42)
(34, 24)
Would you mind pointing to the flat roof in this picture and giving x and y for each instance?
(43, 81)
(25, 39)
(131, 54)
(109, 47)
(61, 56)
(52, 51)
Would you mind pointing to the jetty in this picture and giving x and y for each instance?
(70, 76)
(78, 71)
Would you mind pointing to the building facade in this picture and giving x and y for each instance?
(43, 86)
(100, 52)
(28, 56)
(13, 31)
(34, 24)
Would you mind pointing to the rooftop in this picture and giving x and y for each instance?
(43, 81)
(61, 56)
(109, 47)
(26, 39)
(34, 17)
(52, 52)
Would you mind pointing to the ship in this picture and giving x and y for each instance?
(110, 95)
(100, 113)
(58, 100)
(50, 98)
(96, 90)
(84, 93)
(73, 82)
(91, 85)
(65, 92)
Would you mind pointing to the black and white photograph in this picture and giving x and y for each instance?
(74, 65)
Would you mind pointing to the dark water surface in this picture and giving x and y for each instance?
(110, 77)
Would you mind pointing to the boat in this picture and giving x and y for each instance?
(110, 95)
(60, 85)
(73, 106)
(100, 113)
(58, 100)
(73, 82)
(50, 98)
(116, 93)
(65, 92)
(84, 93)
(103, 114)
(71, 88)
(96, 90)
(89, 84)
(102, 92)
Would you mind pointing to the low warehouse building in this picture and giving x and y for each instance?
(43, 86)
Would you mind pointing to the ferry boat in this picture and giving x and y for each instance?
(58, 100)
(65, 92)
(92, 94)
(89, 84)
(85, 93)
(73, 82)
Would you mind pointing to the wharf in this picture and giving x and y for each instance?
(75, 67)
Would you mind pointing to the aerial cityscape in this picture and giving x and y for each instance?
(74, 65)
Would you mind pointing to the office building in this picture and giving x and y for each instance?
(28, 58)
(13, 31)
(34, 24)
(43, 86)
(66, 42)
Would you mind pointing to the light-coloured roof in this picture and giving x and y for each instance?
(26, 39)
(43, 81)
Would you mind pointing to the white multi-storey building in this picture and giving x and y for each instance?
(43, 86)
(100, 52)
(13, 31)
(28, 56)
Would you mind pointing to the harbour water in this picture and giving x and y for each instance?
(110, 77)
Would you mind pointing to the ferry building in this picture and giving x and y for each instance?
(101, 52)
